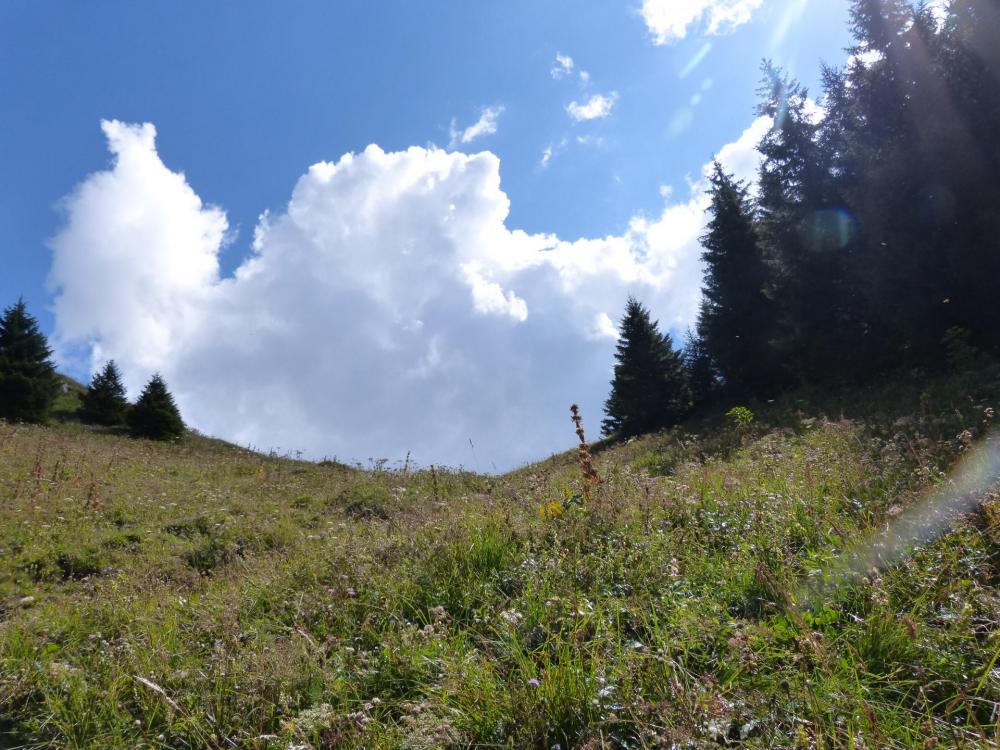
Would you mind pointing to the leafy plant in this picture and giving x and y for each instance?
(741, 418)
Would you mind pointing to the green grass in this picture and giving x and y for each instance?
(202, 596)
(67, 402)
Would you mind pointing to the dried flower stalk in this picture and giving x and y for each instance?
(591, 480)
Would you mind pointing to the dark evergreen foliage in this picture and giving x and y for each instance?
(28, 382)
(737, 318)
(702, 376)
(873, 239)
(155, 415)
(806, 235)
(918, 122)
(650, 388)
(104, 402)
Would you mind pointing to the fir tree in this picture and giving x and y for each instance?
(155, 414)
(104, 402)
(737, 318)
(28, 382)
(650, 388)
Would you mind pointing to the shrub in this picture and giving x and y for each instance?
(741, 418)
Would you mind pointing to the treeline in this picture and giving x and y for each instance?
(29, 386)
(871, 240)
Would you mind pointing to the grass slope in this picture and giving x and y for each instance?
(68, 399)
(202, 596)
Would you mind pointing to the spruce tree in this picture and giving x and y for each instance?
(28, 382)
(806, 237)
(104, 402)
(155, 414)
(926, 189)
(650, 388)
(737, 318)
(702, 374)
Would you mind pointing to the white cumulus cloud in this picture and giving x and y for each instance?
(670, 20)
(563, 66)
(387, 308)
(163, 258)
(595, 108)
(485, 125)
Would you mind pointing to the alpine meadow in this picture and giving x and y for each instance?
(394, 464)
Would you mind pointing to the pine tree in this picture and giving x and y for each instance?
(737, 318)
(155, 414)
(650, 388)
(104, 402)
(28, 382)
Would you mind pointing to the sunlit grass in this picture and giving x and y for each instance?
(199, 595)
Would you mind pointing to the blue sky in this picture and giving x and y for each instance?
(246, 96)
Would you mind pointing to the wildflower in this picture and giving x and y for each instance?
(511, 616)
(350, 592)
(553, 509)
(534, 682)
(438, 614)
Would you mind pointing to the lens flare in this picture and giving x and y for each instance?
(794, 11)
(928, 519)
(829, 229)
(695, 61)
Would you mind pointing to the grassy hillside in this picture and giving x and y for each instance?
(68, 402)
(202, 596)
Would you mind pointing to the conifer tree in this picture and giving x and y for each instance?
(702, 375)
(104, 402)
(970, 68)
(737, 318)
(926, 190)
(155, 414)
(805, 237)
(650, 388)
(28, 382)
